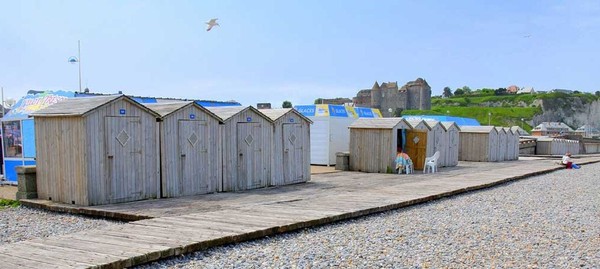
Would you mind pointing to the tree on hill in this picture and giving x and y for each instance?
(459, 91)
(286, 104)
(398, 112)
(447, 92)
(500, 91)
(597, 93)
(318, 101)
(467, 90)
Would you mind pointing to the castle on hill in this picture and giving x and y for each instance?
(388, 98)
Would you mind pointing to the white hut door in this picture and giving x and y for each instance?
(292, 153)
(124, 158)
(193, 157)
(250, 164)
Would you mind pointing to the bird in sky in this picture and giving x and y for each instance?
(211, 23)
(526, 36)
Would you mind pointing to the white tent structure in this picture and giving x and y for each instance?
(329, 132)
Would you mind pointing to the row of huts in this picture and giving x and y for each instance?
(112, 149)
(375, 142)
(489, 143)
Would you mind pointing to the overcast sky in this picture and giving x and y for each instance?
(271, 51)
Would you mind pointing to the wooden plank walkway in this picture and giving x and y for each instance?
(170, 227)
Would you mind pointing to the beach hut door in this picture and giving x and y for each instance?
(193, 157)
(250, 164)
(293, 166)
(124, 158)
(416, 147)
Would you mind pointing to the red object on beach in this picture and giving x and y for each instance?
(569, 165)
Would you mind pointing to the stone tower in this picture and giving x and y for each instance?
(376, 96)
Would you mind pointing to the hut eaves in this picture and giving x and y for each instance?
(478, 129)
(225, 113)
(165, 109)
(276, 113)
(378, 123)
(80, 106)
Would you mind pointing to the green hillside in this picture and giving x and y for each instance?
(506, 110)
(501, 116)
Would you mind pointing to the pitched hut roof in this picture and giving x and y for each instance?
(165, 109)
(276, 113)
(82, 105)
(449, 124)
(478, 129)
(225, 113)
(379, 123)
(413, 123)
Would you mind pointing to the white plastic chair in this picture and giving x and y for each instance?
(431, 162)
(408, 168)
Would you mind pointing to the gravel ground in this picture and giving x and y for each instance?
(21, 223)
(548, 221)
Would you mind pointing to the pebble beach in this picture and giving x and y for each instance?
(547, 221)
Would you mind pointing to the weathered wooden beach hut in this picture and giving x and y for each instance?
(512, 150)
(502, 143)
(291, 146)
(97, 150)
(417, 142)
(189, 149)
(478, 144)
(452, 140)
(374, 143)
(556, 146)
(436, 139)
(246, 143)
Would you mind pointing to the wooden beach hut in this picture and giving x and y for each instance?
(512, 147)
(452, 140)
(189, 149)
(478, 144)
(417, 142)
(556, 146)
(246, 143)
(374, 143)
(97, 150)
(436, 137)
(502, 144)
(291, 146)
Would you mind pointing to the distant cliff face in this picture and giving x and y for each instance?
(574, 111)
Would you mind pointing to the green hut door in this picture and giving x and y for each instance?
(124, 180)
(250, 163)
(193, 157)
(292, 153)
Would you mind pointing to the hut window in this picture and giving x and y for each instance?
(12, 138)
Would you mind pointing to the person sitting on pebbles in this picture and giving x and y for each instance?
(567, 162)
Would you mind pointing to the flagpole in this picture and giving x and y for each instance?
(2, 89)
(79, 61)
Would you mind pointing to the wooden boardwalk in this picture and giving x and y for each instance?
(169, 227)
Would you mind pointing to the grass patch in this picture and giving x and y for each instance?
(501, 116)
(9, 203)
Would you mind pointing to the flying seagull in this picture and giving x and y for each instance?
(211, 23)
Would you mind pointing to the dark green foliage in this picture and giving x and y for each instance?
(9, 203)
(447, 92)
(286, 104)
